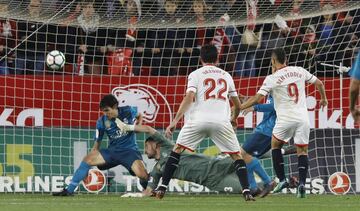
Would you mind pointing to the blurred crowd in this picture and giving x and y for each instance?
(244, 49)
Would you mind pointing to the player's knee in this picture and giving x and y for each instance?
(247, 157)
(236, 156)
(276, 144)
(301, 150)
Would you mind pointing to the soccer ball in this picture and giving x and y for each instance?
(55, 60)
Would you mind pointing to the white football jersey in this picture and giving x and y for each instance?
(287, 86)
(213, 87)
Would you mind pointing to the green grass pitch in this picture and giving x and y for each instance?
(86, 202)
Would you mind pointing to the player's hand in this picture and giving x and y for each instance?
(356, 115)
(248, 110)
(132, 195)
(169, 130)
(323, 103)
(234, 123)
(121, 125)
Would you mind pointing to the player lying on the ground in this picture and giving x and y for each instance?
(216, 173)
(122, 149)
(287, 85)
(257, 144)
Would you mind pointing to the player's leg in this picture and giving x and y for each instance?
(301, 140)
(257, 144)
(224, 137)
(92, 159)
(282, 133)
(189, 137)
(139, 170)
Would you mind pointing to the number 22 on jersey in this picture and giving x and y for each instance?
(220, 85)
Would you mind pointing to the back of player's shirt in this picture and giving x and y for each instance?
(287, 86)
(212, 86)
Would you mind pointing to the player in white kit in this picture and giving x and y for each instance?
(287, 86)
(208, 91)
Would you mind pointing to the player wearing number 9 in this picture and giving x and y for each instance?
(287, 86)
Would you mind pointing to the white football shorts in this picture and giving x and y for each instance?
(300, 131)
(222, 134)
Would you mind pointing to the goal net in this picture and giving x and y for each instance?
(142, 51)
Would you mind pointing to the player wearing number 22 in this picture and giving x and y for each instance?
(287, 86)
(210, 88)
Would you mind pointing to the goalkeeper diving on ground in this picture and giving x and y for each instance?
(216, 173)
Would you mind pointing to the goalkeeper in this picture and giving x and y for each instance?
(216, 173)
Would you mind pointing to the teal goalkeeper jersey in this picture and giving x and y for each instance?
(198, 168)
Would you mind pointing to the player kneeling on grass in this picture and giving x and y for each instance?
(122, 149)
(287, 85)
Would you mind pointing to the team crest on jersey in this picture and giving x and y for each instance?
(107, 124)
(148, 100)
(95, 181)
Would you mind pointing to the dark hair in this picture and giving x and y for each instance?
(108, 101)
(209, 54)
(280, 55)
(150, 138)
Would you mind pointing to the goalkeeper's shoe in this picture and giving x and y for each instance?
(301, 191)
(64, 192)
(247, 195)
(281, 185)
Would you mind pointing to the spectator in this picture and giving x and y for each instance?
(30, 56)
(250, 41)
(325, 29)
(168, 44)
(274, 36)
(351, 51)
(7, 40)
(91, 40)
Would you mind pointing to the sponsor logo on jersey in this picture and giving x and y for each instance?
(95, 181)
(148, 100)
(339, 183)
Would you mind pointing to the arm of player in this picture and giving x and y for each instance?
(184, 106)
(266, 107)
(354, 95)
(139, 119)
(252, 101)
(235, 110)
(96, 146)
(320, 87)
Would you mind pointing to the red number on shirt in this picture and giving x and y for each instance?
(221, 92)
(293, 92)
(212, 85)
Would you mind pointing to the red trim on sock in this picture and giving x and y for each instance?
(191, 150)
(231, 153)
